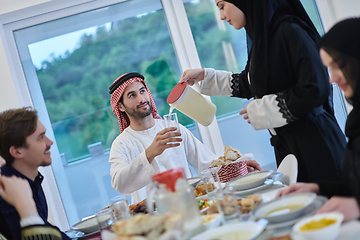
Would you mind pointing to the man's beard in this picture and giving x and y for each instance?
(139, 114)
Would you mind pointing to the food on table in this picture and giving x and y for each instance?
(236, 235)
(230, 166)
(231, 154)
(139, 207)
(317, 224)
(284, 237)
(148, 226)
(200, 190)
(248, 203)
(285, 209)
(256, 197)
(204, 203)
(228, 205)
(217, 163)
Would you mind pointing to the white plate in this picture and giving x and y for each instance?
(250, 180)
(310, 210)
(254, 229)
(279, 210)
(268, 183)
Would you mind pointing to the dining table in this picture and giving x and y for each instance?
(349, 230)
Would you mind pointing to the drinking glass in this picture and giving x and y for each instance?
(228, 205)
(210, 177)
(210, 182)
(171, 120)
(121, 207)
(105, 218)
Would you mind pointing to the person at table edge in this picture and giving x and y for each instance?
(25, 147)
(17, 192)
(340, 52)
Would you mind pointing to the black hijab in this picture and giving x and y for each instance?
(262, 19)
(342, 43)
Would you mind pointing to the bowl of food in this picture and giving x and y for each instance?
(231, 165)
(250, 180)
(204, 204)
(284, 208)
(319, 226)
(87, 225)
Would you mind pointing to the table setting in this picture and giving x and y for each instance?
(211, 208)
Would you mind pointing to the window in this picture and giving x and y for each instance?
(72, 79)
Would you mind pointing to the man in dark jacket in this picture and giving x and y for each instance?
(25, 147)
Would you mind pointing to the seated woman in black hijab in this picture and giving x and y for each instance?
(285, 75)
(340, 52)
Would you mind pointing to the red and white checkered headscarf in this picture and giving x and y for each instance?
(124, 121)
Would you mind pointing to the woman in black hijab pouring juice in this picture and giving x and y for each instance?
(340, 52)
(285, 76)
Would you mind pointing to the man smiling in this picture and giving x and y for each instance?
(25, 147)
(145, 146)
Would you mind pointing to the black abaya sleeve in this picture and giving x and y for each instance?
(240, 85)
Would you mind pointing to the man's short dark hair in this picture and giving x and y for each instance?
(15, 126)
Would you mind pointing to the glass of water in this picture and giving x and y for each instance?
(105, 218)
(171, 120)
(121, 207)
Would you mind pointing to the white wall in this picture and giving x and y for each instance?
(8, 95)
(333, 11)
